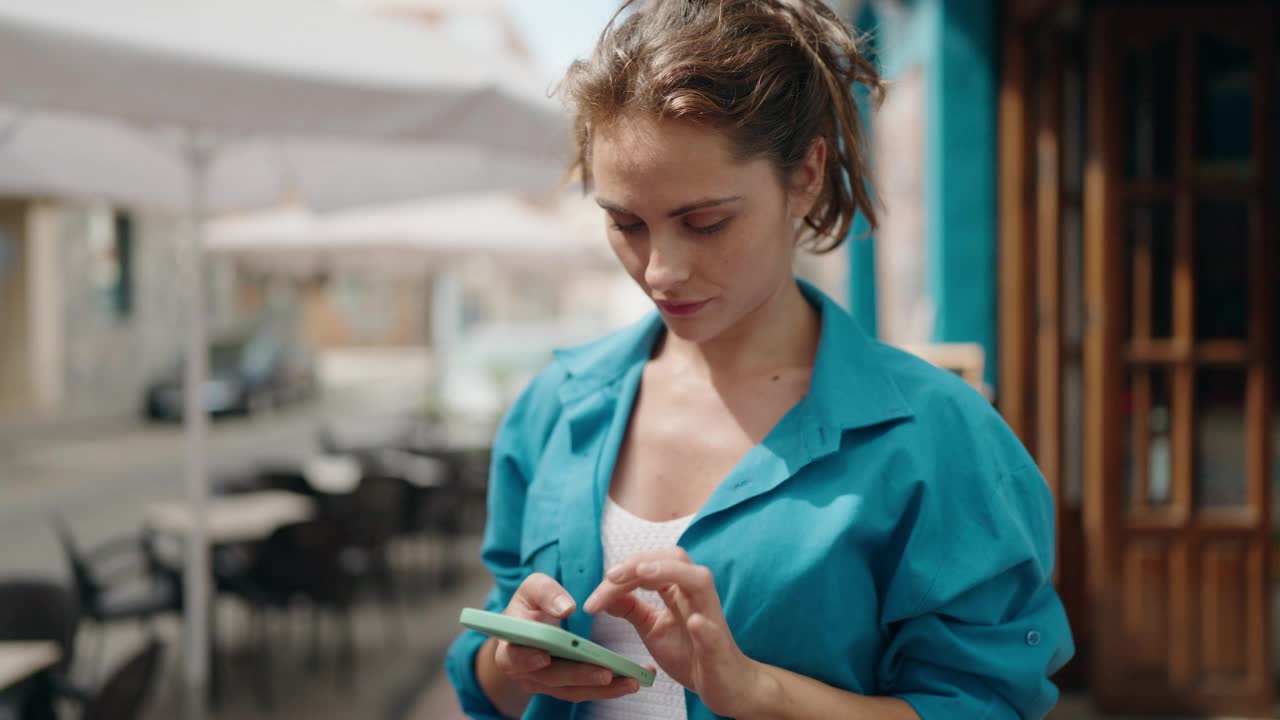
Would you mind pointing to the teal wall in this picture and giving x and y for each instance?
(862, 244)
(955, 44)
(962, 177)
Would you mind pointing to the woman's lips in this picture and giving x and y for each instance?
(681, 309)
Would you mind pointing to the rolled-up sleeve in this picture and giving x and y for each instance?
(516, 449)
(460, 666)
(975, 626)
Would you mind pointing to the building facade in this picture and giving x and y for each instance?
(1096, 203)
(91, 306)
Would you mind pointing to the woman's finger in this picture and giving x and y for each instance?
(616, 689)
(676, 601)
(622, 578)
(695, 582)
(627, 567)
(639, 613)
(566, 673)
(512, 658)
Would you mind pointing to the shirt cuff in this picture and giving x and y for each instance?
(460, 665)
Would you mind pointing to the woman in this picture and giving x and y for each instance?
(788, 519)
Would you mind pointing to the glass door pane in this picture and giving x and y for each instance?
(1150, 102)
(1221, 473)
(1150, 271)
(1224, 86)
(1222, 270)
(1149, 438)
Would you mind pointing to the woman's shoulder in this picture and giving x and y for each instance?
(950, 416)
(968, 473)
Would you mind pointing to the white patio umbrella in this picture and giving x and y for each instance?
(550, 233)
(76, 154)
(567, 231)
(191, 105)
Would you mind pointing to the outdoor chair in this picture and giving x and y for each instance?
(298, 562)
(369, 518)
(121, 580)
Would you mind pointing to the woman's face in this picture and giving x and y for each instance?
(709, 238)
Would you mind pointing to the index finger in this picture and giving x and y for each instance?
(655, 574)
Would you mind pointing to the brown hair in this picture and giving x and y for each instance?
(773, 74)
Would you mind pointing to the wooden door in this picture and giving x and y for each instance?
(1180, 264)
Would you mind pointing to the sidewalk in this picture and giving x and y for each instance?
(438, 702)
(23, 432)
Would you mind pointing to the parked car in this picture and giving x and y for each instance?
(259, 369)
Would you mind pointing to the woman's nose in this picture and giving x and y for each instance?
(669, 264)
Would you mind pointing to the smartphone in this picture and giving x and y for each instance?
(560, 643)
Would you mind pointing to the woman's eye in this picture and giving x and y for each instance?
(628, 227)
(709, 229)
(625, 223)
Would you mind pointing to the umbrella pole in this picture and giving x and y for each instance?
(446, 314)
(196, 419)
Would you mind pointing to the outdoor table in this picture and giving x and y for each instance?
(20, 664)
(232, 519)
(21, 660)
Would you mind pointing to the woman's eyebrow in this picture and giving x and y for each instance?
(701, 205)
(682, 210)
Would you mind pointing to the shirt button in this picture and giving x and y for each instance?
(1033, 638)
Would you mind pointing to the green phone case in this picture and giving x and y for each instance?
(557, 641)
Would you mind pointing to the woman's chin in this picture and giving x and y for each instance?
(693, 330)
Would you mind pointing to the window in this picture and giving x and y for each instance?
(111, 243)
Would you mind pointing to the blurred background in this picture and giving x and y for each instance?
(357, 207)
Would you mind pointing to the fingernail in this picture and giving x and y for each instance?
(537, 662)
(563, 605)
(603, 678)
(616, 573)
(647, 568)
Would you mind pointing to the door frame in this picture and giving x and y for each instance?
(1036, 55)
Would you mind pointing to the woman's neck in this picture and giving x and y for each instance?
(781, 333)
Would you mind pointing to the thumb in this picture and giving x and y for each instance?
(709, 640)
(542, 595)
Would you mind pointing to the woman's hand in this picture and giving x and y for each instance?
(688, 638)
(542, 599)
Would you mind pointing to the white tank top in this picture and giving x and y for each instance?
(623, 535)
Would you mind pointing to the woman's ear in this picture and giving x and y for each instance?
(807, 179)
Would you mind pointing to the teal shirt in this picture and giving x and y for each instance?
(890, 536)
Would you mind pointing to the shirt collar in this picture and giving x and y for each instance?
(850, 387)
